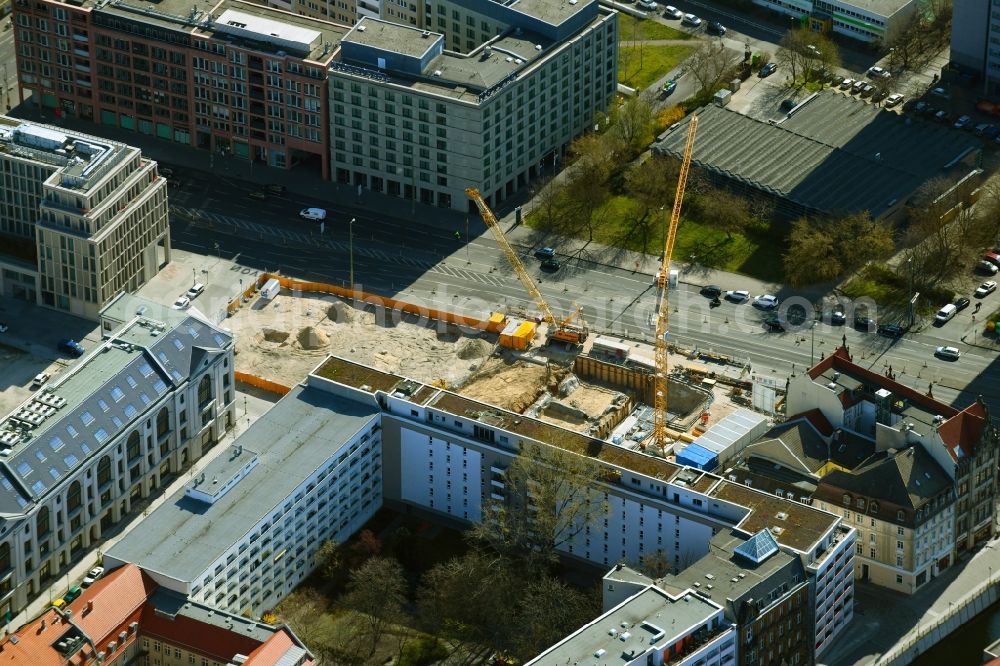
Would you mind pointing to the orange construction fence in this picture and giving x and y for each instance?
(373, 299)
(261, 383)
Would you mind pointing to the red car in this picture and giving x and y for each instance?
(993, 258)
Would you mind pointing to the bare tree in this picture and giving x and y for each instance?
(791, 52)
(377, 591)
(710, 64)
(808, 54)
(586, 187)
(632, 125)
(551, 497)
(651, 185)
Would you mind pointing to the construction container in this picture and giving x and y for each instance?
(507, 334)
(496, 322)
(524, 334)
(609, 348)
(270, 289)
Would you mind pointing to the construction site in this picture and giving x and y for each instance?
(653, 399)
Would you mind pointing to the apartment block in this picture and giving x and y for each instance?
(484, 95)
(244, 532)
(764, 593)
(82, 219)
(126, 618)
(347, 12)
(81, 454)
(650, 627)
(236, 78)
(975, 43)
(963, 442)
(866, 21)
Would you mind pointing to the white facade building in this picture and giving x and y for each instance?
(864, 20)
(90, 212)
(104, 435)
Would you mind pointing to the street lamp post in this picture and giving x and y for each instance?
(351, 249)
(909, 265)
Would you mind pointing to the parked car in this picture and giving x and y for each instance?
(980, 129)
(892, 100)
(940, 92)
(715, 28)
(648, 5)
(39, 379)
(691, 20)
(71, 346)
(72, 594)
(993, 258)
(545, 253)
(879, 95)
(864, 322)
(195, 290)
(739, 296)
(846, 84)
(962, 122)
(258, 195)
(945, 314)
(878, 73)
(669, 87)
(986, 268)
(985, 289)
(92, 576)
(182, 302)
(550, 265)
(948, 353)
(858, 86)
(773, 323)
(920, 107)
(767, 70)
(941, 116)
(315, 214)
(766, 302)
(961, 303)
(711, 291)
(672, 12)
(891, 331)
(59, 603)
(867, 90)
(991, 132)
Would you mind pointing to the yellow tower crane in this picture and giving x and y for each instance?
(558, 330)
(660, 397)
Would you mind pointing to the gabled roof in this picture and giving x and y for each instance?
(817, 419)
(111, 601)
(961, 432)
(908, 480)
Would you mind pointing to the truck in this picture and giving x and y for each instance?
(270, 289)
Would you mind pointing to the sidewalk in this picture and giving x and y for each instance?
(249, 408)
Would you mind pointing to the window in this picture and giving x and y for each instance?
(899, 579)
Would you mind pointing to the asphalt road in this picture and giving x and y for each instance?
(429, 266)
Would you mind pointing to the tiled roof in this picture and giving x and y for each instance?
(111, 601)
(818, 421)
(279, 649)
(33, 644)
(961, 432)
(210, 640)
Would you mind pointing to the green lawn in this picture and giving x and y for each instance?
(632, 29)
(641, 65)
(755, 254)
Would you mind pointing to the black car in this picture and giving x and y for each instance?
(962, 303)
(835, 318)
(767, 70)
(715, 28)
(891, 330)
(550, 265)
(864, 322)
(711, 291)
(774, 323)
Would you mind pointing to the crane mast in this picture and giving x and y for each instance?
(662, 317)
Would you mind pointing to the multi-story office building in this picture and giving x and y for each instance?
(975, 32)
(347, 12)
(244, 532)
(240, 79)
(963, 442)
(650, 627)
(483, 95)
(82, 219)
(904, 512)
(763, 590)
(80, 454)
(867, 21)
(126, 618)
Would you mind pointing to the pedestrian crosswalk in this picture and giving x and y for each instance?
(240, 225)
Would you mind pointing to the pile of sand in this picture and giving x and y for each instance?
(474, 348)
(312, 338)
(274, 335)
(339, 313)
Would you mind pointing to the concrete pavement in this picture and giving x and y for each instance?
(249, 407)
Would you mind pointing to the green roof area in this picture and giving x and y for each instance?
(359, 376)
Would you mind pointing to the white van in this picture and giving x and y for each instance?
(945, 314)
(317, 214)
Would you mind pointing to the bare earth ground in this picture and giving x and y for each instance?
(283, 339)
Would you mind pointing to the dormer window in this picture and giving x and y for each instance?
(847, 500)
(900, 516)
(874, 507)
(861, 503)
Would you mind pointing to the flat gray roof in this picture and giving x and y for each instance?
(645, 616)
(881, 7)
(834, 154)
(395, 37)
(548, 11)
(184, 536)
